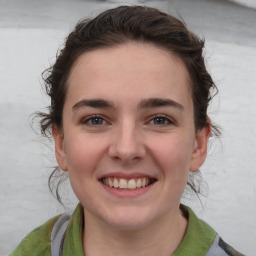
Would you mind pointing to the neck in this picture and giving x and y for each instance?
(160, 238)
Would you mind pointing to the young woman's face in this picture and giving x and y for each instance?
(128, 138)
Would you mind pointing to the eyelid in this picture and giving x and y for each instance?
(86, 119)
(167, 118)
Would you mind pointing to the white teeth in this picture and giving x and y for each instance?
(132, 184)
(110, 183)
(139, 183)
(126, 184)
(143, 182)
(122, 183)
(116, 185)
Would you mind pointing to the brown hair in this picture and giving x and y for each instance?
(117, 26)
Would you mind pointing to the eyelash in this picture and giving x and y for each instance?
(163, 118)
(94, 117)
(167, 120)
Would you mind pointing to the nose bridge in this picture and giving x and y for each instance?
(127, 144)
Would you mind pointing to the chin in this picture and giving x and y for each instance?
(130, 225)
(129, 220)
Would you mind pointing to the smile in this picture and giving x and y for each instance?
(125, 184)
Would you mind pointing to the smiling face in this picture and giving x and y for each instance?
(128, 137)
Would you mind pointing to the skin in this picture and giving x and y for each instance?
(128, 138)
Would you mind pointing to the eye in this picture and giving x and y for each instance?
(94, 121)
(161, 121)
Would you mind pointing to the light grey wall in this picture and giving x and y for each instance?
(30, 33)
(247, 3)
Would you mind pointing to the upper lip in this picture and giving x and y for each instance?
(127, 176)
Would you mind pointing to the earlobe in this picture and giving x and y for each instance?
(59, 148)
(200, 148)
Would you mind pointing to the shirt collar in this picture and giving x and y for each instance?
(198, 238)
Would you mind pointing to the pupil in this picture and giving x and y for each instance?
(97, 120)
(159, 120)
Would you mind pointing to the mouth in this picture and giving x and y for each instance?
(127, 184)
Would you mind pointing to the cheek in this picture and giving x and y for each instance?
(83, 153)
(173, 154)
(83, 157)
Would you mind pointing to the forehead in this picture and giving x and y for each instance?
(129, 69)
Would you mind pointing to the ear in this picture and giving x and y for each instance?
(59, 148)
(200, 148)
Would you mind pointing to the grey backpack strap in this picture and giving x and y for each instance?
(58, 234)
(215, 249)
(220, 248)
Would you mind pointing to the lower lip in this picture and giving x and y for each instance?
(127, 193)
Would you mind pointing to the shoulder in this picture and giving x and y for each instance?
(201, 239)
(37, 242)
(198, 238)
(221, 248)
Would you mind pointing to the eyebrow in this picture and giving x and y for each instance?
(159, 102)
(147, 103)
(93, 103)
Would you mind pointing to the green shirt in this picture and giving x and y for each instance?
(197, 240)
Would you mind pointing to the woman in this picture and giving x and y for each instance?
(129, 96)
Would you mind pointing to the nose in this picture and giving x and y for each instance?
(127, 144)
